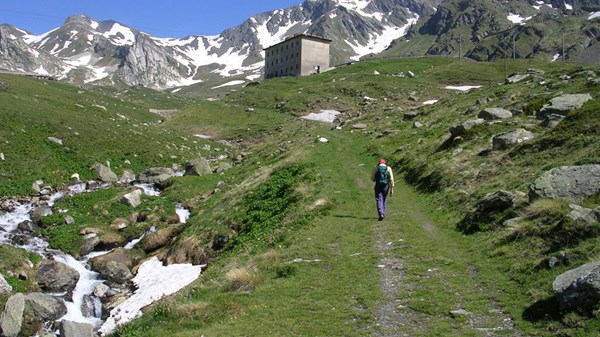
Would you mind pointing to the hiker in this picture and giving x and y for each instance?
(384, 182)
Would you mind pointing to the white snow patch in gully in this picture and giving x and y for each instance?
(594, 15)
(153, 281)
(327, 116)
(236, 82)
(430, 102)
(463, 87)
(517, 19)
(555, 57)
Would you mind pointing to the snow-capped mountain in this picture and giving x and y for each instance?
(86, 51)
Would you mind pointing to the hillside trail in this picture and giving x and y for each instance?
(429, 284)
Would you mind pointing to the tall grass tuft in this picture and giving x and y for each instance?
(243, 279)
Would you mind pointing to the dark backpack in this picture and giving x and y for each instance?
(382, 176)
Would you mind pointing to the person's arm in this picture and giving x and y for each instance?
(373, 172)
(392, 184)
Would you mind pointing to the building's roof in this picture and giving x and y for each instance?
(301, 35)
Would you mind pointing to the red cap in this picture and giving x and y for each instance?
(381, 161)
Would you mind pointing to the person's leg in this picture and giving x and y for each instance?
(379, 201)
(384, 193)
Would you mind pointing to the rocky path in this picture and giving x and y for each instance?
(428, 284)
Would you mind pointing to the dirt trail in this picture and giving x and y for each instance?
(417, 263)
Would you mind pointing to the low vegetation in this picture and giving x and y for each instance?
(288, 236)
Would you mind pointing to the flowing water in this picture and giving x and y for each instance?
(85, 307)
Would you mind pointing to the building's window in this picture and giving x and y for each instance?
(297, 66)
(297, 54)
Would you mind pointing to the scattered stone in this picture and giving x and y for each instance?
(323, 140)
(223, 166)
(2, 158)
(249, 109)
(457, 151)
(496, 202)
(101, 107)
(460, 129)
(359, 126)
(280, 105)
(225, 143)
(55, 140)
(534, 71)
(460, 313)
(563, 104)
(516, 78)
(410, 115)
(552, 120)
(198, 167)
(375, 72)
(410, 74)
(579, 213)
(79, 106)
(57, 277)
(221, 185)
(4, 85)
(490, 114)
(104, 173)
(156, 175)
(11, 320)
(417, 125)
(5, 288)
(75, 329)
(101, 290)
(127, 178)
(578, 288)
(567, 183)
(511, 138)
(69, 220)
(132, 199)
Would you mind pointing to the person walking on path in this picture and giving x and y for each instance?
(383, 176)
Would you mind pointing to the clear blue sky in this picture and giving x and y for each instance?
(160, 18)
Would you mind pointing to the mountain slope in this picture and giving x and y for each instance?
(84, 51)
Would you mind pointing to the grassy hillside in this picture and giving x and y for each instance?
(290, 238)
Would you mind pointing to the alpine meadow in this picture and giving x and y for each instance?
(166, 187)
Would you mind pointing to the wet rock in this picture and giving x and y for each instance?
(490, 114)
(104, 173)
(563, 105)
(5, 288)
(91, 241)
(39, 213)
(197, 167)
(54, 276)
(44, 307)
(578, 288)
(116, 272)
(75, 329)
(101, 290)
(567, 183)
(27, 226)
(11, 320)
(156, 175)
(91, 306)
(132, 199)
(127, 178)
(511, 138)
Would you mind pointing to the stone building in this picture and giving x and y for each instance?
(298, 55)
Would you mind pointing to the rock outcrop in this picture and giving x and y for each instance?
(511, 138)
(567, 183)
(197, 167)
(578, 288)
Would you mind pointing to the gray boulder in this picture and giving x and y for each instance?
(497, 201)
(104, 173)
(116, 272)
(516, 78)
(563, 104)
(4, 86)
(39, 213)
(156, 175)
(44, 307)
(223, 166)
(11, 320)
(408, 116)
(75, 329)
(132, 199)
(91, 241)
(57, 277)
(5, 288)
(511, 138)
(197, 167)
(579, 213)
(359, 126)
(127, 178)
(461, 129)
(578, 288)
(490, 114)
(567, 183)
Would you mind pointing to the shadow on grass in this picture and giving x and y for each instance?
(544, 310)
(346, 216)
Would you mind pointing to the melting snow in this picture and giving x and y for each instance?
(463, 88)
(236, 82)
(430, 102)
(517, 19)
(379, 43)
(594, 15)
(327, 116)
(126, 35)
(153, 282)
(555, 57)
